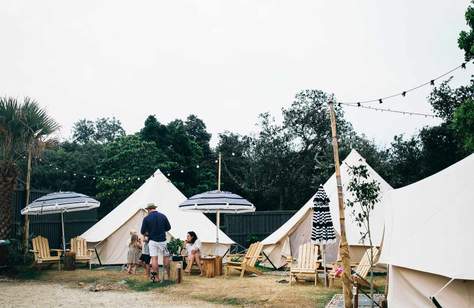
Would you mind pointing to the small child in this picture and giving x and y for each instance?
(134, 252)
(145, 257)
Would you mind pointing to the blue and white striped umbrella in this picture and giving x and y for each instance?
(215, 200)
(60, 203)
(323, 230)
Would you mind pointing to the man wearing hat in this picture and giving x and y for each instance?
(154, 226)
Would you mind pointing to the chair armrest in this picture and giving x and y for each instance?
(58, 251)
(34, 251)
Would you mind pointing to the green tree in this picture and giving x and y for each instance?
(466, 38)
(127, 163)
(463, 124)
(69, 166)
(445, 99)
(12, 132)
(186, 144)
(405, 158)
(38, 127)
(83, 131)
(103, 130)
(366, 195)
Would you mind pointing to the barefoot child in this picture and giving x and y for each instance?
(134, 252)
(145, 257)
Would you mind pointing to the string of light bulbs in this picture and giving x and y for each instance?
(403, 93)
(411, 113)
(93, 177)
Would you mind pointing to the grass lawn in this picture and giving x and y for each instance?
(221, 291)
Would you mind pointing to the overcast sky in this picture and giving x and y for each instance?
(226, 61)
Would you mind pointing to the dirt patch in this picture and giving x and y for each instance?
(45, 294)
(114, 288)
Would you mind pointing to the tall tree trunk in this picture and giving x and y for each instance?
(26, 227)
(8, 175)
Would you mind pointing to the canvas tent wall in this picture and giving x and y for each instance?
(428, 239)
(111, 234)
(297, 230)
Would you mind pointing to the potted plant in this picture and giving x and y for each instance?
(174, 247)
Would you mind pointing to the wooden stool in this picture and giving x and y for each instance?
(208, 266)
(218, 266)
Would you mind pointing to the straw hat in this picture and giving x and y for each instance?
(150, 206)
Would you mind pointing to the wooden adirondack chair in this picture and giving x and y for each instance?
(83, 254)
(308, 263)
(42, 252)
(247, 263)
(361, 271)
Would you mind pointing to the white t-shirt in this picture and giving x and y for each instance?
(195, 246)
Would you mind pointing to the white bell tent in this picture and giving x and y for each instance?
(110, 235)
(428, 241)
(285, 240)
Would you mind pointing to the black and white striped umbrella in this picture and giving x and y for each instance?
(217, 201)
(60, 203)
(323, 230)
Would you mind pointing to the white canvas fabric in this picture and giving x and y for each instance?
(428, 239)
(428, 224)
(281, 243)
(410, 288)
(111, 234)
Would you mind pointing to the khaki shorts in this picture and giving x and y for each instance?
(158, 249)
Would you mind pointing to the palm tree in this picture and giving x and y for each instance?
(11, 142)
(38, 126)
(23, 128)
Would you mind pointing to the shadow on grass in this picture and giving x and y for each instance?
(142, 286)
(233, 301)
(23, 273)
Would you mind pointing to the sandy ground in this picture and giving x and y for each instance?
(46, 294)
(73, 289)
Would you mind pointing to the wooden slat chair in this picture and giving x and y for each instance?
(307, 263)
(42, 252)
(361, 271)
(247, 263)
(83, 254)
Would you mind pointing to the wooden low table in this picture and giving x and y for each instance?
(208, 266)
(174, 265)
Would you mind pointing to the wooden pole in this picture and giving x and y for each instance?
(219, 173)
(26, 227)
(218, 216)
(344, 247)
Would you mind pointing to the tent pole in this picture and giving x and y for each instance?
(219, 173)
(218, 223)
(344, 247)
(62, 226)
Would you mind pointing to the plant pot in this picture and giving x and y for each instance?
(69, 261)
(176, 258)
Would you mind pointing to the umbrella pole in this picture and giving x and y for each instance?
(324, 265)
(62, 227)
(218, 222)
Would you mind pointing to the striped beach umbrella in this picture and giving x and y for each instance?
(217, 201)
(60, 203)
(322, 231)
